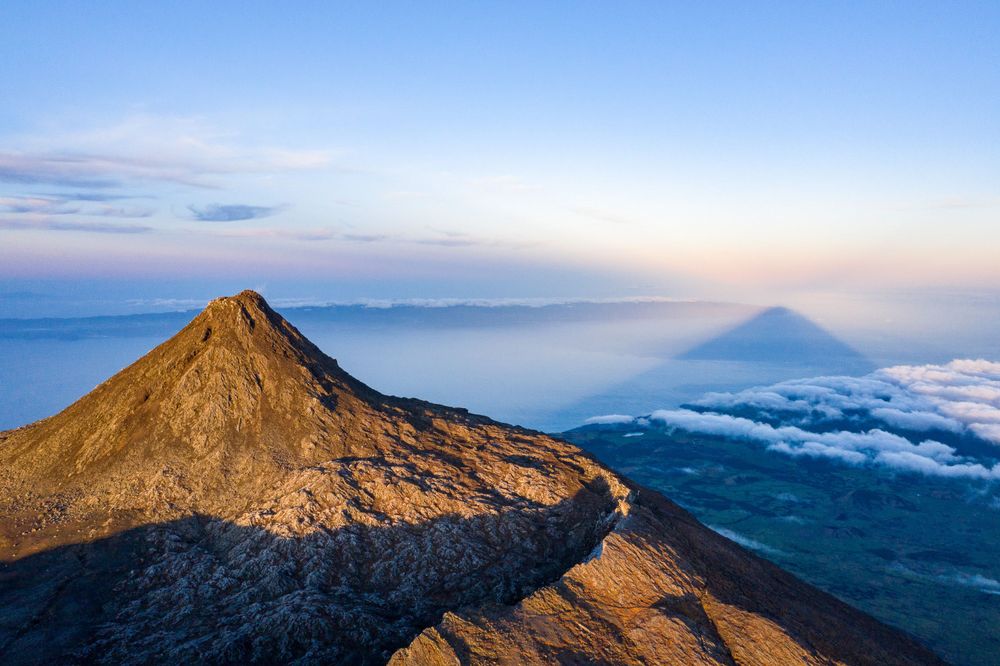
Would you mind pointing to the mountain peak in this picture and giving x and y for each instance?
(241, 312)
(235, 491)
(236, 390)
(246, 296)
(247, 300)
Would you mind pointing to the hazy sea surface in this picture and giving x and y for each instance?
(545, 367)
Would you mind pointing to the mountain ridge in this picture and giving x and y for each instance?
(235, 496)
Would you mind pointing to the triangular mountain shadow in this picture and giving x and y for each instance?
(777, 335)
(774, 345)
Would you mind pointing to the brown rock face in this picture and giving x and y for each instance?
(234, 496)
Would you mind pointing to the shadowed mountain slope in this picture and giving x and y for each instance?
(234, 496)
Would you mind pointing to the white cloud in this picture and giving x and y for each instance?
(917, 420)
(967, 391)
(846, 446)
(989, 432)
(912, 462)
(978, 581)
(883, 413)
(817, 450)
(747, 542)
(609, 419)
(974, 580)
(961, 396)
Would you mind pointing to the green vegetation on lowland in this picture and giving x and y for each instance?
(920, 553)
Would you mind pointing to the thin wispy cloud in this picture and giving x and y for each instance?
(610, 419)
(331, 234)
(97, 170)
(58, 205)
(180, 304)
(459, 239)
(232, 212)
(37, 205)
(121, 211)
(450, 233)
(285, 234)
(62, 170)
(146, 148)
(86, 227)
(747, 542)
(111, 170)
(365, 238)
(101, 197)
(450, 242)
(976, 581)
(314, 234)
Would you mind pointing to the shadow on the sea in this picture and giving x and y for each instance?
(780, 335)
(775, 345)
(201, 589)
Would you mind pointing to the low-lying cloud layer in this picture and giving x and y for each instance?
(893, 418)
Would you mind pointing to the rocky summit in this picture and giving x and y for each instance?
(234, 496)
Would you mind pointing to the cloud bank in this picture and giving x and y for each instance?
(892, 418)
(961, 396)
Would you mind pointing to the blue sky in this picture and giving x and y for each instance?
(501, 149)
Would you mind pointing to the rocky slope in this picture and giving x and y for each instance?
(234, 496)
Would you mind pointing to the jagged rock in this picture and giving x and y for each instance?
(234, 496)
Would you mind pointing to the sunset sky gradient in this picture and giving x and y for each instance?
(500, 149)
